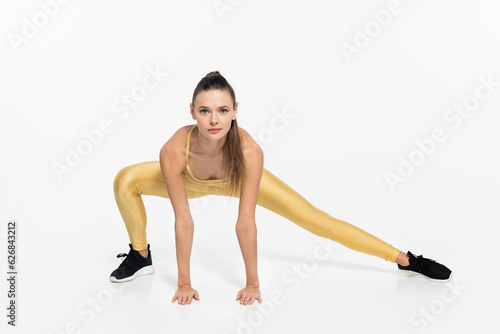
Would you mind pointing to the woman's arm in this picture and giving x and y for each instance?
(172, 166)
(246, 229)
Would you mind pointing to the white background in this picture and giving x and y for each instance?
(353, 116)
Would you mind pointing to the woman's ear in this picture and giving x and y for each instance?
(191, 110)
(235, 110)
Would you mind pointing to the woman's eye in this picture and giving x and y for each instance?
(205, 111)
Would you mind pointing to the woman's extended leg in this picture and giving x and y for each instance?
(278, 197)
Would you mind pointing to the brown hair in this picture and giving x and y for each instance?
(234, 166)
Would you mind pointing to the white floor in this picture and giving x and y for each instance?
(308, 283)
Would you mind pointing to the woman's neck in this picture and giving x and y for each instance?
(207, 147)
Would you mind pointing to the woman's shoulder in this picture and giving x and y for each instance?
(248, 145)
(179, 139)
(182, 133)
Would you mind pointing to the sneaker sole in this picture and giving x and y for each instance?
(147, 270)
(409, 273)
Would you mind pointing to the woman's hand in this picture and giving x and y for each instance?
(185, 294)
(249, 294)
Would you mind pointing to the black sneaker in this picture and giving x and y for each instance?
(134, 265)
(427, 268)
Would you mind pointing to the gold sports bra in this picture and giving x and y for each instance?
(188, 170)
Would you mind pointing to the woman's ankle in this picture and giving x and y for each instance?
(403, 259)
(144, 253)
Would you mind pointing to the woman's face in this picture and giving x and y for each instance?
(213, 109)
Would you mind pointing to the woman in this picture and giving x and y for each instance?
(215, 156)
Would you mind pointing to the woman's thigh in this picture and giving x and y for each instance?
(277, 196)
(146, 178)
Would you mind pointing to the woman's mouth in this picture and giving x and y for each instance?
(214, 130)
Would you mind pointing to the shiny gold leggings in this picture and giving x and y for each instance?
(146, 178)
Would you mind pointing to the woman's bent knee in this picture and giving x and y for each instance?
(123, 180)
